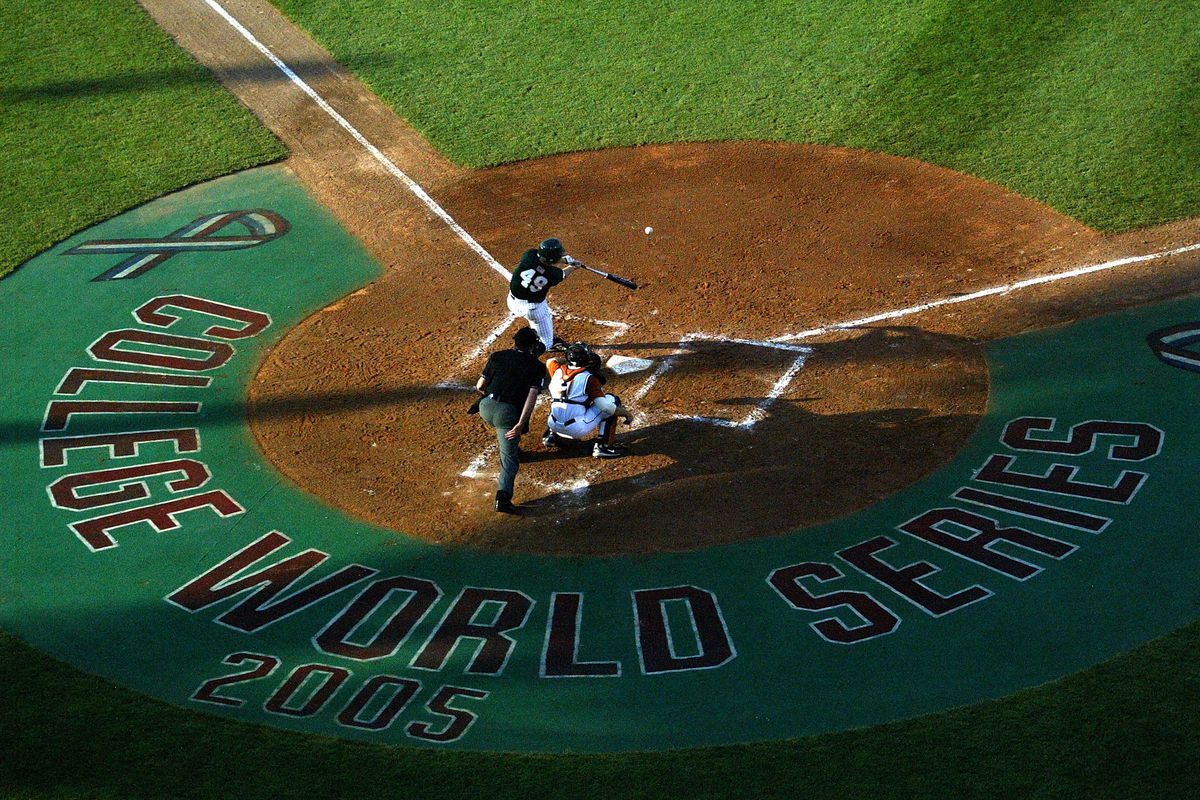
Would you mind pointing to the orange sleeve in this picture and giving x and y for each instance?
(594, 389)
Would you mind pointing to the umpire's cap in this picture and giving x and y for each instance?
(525, 338)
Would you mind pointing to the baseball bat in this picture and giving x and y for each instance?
(628, 284)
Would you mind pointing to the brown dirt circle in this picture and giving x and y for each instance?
(750, 241)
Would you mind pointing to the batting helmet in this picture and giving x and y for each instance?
(579, 355)
(551, 250)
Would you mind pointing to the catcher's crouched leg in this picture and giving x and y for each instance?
(606, 444)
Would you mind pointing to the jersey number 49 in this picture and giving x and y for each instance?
(532, 281)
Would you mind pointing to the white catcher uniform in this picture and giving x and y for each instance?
(578, 405)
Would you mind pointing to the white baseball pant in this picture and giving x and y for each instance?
(538, 315)
(575, 422)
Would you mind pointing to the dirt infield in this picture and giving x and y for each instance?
(751, 241)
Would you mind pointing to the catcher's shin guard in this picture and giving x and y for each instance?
(608, 430)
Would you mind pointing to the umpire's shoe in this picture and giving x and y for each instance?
(504, 504)
(601, 450)
(550, 439)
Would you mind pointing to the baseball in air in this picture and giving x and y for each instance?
(649, 230)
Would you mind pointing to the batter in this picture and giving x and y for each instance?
(531, 281)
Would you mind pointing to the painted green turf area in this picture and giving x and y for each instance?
(1090, 106)
(1123, 729)
(100, 111)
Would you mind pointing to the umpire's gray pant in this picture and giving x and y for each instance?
(502, 417)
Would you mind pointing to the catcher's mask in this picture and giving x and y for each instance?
(579, 355)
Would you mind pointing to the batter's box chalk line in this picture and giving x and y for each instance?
(478, 468)
(760, 410)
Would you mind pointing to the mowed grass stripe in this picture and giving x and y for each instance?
(1092, 107)
(99, 112)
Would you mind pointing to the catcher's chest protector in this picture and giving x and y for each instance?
(568, 386)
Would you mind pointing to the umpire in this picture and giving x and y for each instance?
(510, 385)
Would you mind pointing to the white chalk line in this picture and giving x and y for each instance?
(761, 409)
(387, 163)
(396, 172)
(620, 327)
(760, 412)
(781, 385)
(764, 406)
(663, 367)
(989, 292)
(479, 462)
(769, 343)
(487, 341)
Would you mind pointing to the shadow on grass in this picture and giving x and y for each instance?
(155, 79)
(1120, 730)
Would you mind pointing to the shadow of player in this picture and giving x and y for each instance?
(843, 439)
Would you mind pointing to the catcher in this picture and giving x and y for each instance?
(579, 406)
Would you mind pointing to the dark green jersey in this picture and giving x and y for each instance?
(532, 278)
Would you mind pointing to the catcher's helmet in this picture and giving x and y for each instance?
(579, 355)
(551, 250)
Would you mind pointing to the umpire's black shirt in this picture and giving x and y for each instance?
(511, 374)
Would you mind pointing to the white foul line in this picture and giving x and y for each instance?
(994, 290)
(774, 344)
(487, 341)
(433, 206)
(387, 163)
(478, 463)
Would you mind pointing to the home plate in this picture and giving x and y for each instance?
(623, 365)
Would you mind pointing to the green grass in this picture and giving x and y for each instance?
(1122, 730)
(1092, 107)
(100, 111)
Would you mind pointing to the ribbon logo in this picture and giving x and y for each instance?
(197, 236)
(1172, 344)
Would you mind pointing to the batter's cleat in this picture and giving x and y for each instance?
(504, 504)
(601, 450)
(551, 439)
(558, 346)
